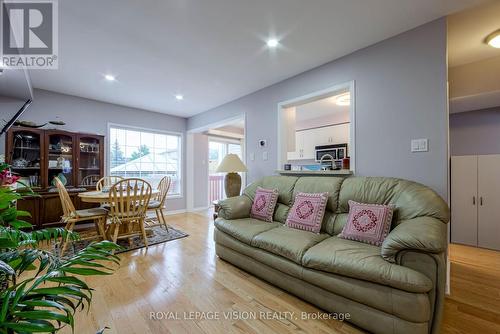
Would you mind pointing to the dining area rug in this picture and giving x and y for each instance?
(156, 235)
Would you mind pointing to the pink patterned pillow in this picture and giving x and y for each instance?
(368, 223)
(307, 211)
(263, 204)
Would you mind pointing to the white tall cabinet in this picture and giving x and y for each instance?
(475, 200)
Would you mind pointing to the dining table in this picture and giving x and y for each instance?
(103, 197)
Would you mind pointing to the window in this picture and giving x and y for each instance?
(146, 154)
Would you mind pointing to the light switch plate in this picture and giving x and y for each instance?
(420, 145)
(252, 156)
(265, 155)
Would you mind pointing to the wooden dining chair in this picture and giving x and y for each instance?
(129, 200)
(71, 216)
(90, 180)
(107, 181)
(157, 203)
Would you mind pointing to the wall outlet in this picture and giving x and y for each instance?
(420, 145)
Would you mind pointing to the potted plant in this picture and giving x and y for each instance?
(39, 291)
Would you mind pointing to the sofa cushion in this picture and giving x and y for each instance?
(369, 223)
(407, 305)
(281, 213)
(263, 204)
(287, 242)
(363, 261)
(410, 199)
(307, 211)
(244, 229)
(320, 184)
(284, 184)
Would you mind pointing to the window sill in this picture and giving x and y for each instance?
(174, 196)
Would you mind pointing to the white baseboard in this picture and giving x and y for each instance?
(200, 208)
(174, 212)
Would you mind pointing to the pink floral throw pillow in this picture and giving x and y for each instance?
(368, 223)
(307, 211)
(263, 204)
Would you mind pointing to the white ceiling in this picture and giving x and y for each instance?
(324, 108)
(467, 32)
(212, 51)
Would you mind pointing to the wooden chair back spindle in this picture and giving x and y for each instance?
(90, 180)
(129, 199)
(107, 181)
(66, 203)
(163, 187)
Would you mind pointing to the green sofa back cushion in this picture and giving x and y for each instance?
(320, 184)
(284, 184)
(409, 198)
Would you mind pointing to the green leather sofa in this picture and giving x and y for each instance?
(396, 288)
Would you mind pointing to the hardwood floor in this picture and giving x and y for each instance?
(474, 303)
(177, 278)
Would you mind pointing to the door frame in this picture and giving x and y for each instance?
(190, 159)
(314, 96)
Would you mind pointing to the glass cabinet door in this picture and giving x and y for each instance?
(60, 158)
(89, 161)
(26, 156)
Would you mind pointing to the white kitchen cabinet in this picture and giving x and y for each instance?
(307, 140)
(304, 145)
(335, 134)
(475, 197)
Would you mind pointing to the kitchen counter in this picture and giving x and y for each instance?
(341, 172)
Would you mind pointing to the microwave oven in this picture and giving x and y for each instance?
(337, 151)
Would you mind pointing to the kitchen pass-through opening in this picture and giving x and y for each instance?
(317, 132)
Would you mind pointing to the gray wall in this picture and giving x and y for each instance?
(84, 115)
(400, 95)
(475, 132)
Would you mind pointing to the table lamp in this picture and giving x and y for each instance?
(231, 164)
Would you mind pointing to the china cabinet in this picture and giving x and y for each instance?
(40, 155)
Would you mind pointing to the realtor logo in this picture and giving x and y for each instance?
(29, 34)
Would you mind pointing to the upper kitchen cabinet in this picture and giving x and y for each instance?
(307, 140)
(318, 123)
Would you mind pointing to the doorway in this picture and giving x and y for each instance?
(218, 148)
(206, 147)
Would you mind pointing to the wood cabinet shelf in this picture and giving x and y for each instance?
(38, 146)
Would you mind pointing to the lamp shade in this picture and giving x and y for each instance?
(231, 164)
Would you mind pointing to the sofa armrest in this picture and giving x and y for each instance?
(424, 234)
(235, 207)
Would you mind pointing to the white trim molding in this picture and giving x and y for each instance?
(317, 95)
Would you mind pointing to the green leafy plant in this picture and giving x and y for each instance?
(39, 291)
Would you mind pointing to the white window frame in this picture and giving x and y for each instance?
(156, 131)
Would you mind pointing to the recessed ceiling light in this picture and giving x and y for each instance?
(343, 99)
(272, 43)
(179, 97)
(493, 39)
(109, 77)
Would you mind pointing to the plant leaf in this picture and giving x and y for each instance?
(29, 327)
(84, 271)
(41, 315)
